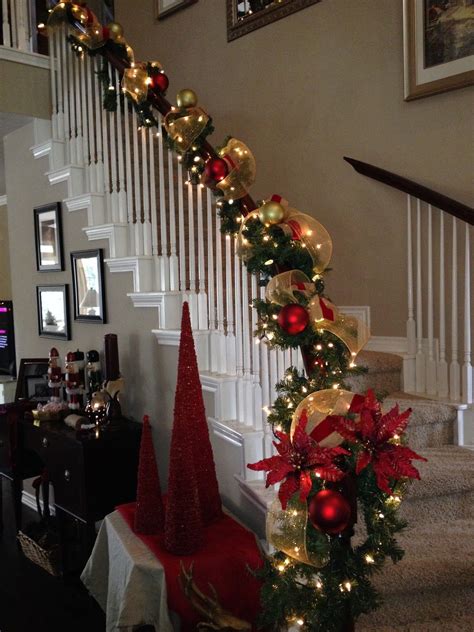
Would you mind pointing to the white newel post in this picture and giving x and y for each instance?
(454, 368)
(442, 371)
(420, 356)
(467, 386)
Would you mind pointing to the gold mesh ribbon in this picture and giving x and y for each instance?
(87, 29)
(185, 127)
(318, 406)
(281, 289)
(244, 248)
(58, 15)
(286, 531)
(135, 82)
(325, 316)
(312, 235)
(242, 170)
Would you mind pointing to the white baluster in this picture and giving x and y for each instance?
(164, 260)
(431, 361)
(442, 370)
(266, 401)
(72, 102)
(129, 177)
(91, 132)
(192, 259)
(78, 106)
(86, 120)
(409, 369)
(173, 259)
(247, 346)
(230, 262)
(274, 376)
(56, 48)
(203, 317)
(239, 358)
(147, 249)
(153, 207)
(137, 188)
(23, 30)
(211, 296)
(13, 21)
(109, 212)
(454, 368)
(420, 356)
(99, 119)
(65, 83)
(7, 39)
(255, 361)
(220, 359)
(114, 198)
(53, 77)
(467, 366)
(122, 193)
(181, 230)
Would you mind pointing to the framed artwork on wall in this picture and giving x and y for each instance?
(244, 16)
(53, 311)
(164, 8)
(32, 379)
(438, 46)
(48, 238)
(88, 285)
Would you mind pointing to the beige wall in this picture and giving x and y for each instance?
(5, 284)
(307, 90)
(25, 90)
(150, 372)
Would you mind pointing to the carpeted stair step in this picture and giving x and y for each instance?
(435, 580)
(431, 423)
(384, 373)
(446, 489)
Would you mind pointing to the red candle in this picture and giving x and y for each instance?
(112, 370)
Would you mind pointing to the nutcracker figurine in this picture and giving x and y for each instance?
(74, 383)
(54, 375)
(93, 373)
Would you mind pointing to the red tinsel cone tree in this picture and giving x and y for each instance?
(189, 385)
(149, 513)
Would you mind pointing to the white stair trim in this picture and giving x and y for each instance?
(73, 175)
(24, 57)
(142, 269)
(115, 234)
(171, 337)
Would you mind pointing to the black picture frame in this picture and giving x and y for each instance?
(32, 370)
(163, 12)
(58, 328)
(49, 236)
(88, 293)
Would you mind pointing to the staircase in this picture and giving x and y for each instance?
(166, 233)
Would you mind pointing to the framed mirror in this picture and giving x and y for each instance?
(244, 16)
(88, 285)
(48, 238)
(53, 311)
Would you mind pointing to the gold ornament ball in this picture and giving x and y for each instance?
(186, 98)
(271, 213)
(116, 32)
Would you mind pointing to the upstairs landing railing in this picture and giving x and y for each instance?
(439, 322)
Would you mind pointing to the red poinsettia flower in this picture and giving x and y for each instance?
(296, 460)
(374, 432)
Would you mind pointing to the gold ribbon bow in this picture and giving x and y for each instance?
(242, 170)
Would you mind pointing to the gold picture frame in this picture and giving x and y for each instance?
(164, 8)
(276, 10)
(432, 59)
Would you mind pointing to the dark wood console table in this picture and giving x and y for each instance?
(91, 473)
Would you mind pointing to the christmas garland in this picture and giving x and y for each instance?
(335, 451)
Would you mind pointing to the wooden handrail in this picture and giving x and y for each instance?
(438, 200)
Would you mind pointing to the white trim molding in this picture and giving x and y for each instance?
(24, 57)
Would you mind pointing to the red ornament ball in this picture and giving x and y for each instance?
(293, 319)
(105, 33)
(215, 170)
(160, 81)
(329, 512)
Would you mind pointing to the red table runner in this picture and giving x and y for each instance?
(222, 561)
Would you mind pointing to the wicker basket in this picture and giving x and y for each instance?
(48, 559)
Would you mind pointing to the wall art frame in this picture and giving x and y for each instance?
(437, 55)
(88, 286)
(48, 238)
(165, 8)
(53, 311)
(264, 12)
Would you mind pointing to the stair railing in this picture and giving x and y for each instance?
(140, 189)
(16, 20)
(439, 322)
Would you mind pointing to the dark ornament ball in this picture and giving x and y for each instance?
(215, 170)
(329, 512)
(160, 81)
(293, 319)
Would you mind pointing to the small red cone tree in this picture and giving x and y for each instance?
(149, 513)
(189, 384)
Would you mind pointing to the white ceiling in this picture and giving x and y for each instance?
(8, 123)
